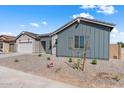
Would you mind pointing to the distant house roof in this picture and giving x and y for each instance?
(44, 35)
(30, 34)
(33, 35)
(7, 38)
(85, 20)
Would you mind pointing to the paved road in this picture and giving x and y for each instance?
(10, 78)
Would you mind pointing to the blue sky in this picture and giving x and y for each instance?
(45, 19)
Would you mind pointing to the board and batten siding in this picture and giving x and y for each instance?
(97, 36)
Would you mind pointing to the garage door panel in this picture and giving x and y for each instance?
(25, 47)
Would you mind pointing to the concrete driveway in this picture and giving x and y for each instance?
(10, 78)
(10, 55)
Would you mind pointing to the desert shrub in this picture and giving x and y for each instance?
(16, 60)
(118, 77)
(94, 62)
(70, 60)
(76, 65)
(48, 58)
(39, 55)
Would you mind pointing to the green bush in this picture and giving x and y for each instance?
(70, 60)
(78, 60)
(48, 58)
(78, 63)
(94, 62)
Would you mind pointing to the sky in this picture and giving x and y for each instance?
(45, 19)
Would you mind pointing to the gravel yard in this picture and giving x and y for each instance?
(99, 75)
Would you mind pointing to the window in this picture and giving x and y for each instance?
(1, 46)
(79, 41)
(76, 41)
(70, 42)
(28, 40)
(50, 45)
(56, 41)
(87, 40)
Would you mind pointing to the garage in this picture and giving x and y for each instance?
(27, 42)
(26, 47)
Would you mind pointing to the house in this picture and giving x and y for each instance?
(7, 43)
(70, 40)
(28, 42)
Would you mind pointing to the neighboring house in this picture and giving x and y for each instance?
(70, 40)
(7, 43)
(28, 42)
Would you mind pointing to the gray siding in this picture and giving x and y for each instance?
(98, 41)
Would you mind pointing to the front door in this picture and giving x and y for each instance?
(11, 48)
(44, 45)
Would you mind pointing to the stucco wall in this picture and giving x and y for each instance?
(5, 47)
(115, 51)
(54, 46)
(24, 38)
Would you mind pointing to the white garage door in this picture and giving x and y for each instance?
(25, 47)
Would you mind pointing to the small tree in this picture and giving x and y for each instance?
(85, 53)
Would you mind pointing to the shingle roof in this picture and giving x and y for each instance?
(33, 35)
(86, 20)
(44, 35)
(7, 38)
(30, 34)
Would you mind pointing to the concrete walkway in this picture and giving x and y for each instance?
(10, 78)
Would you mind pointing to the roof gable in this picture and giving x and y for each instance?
(30, 34)
(110, 25)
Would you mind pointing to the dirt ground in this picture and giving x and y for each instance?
(100, 75)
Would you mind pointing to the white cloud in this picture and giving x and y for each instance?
(7, 33)
(22, 25)
(116, 36)
(115, 30)
(106, 9)
(34, 24)
(88, 6)
(38, 25)
(86, 15)
(44, 23)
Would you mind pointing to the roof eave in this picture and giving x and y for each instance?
(83, 19)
